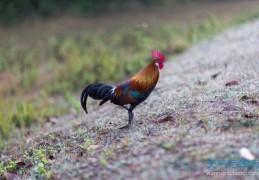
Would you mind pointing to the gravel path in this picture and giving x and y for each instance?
(192, 117)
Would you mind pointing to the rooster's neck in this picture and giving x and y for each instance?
(146, 78)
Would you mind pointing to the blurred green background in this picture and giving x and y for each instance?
(50, 50)
(12, 10)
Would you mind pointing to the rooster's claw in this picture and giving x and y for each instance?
(125, 127)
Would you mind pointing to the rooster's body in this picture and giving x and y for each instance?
(133, 91)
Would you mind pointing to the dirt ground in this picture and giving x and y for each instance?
(206, 107)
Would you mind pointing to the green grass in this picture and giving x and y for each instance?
(38, 156)
(87, 142)
(63, 65)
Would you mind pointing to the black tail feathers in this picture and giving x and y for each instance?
(96, 91)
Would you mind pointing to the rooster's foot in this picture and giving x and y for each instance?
(125, 127)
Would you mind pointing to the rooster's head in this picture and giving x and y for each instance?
(159, 59)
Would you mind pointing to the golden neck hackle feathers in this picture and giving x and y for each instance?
(146, 78)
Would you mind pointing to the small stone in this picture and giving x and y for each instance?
(225, 126)
(166, 119)
(231, 83)
(252, 87)
(202, 82)
(93, 147)
(214, 76)
(232, 107)
(52, 120)
(246, 154)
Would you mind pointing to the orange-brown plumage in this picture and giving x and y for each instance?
(145, 79)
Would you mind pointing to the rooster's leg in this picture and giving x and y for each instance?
(131, 116)
(125, 107)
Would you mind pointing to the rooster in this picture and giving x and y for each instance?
(133, 91)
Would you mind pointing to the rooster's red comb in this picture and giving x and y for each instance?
(158, 55)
